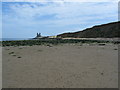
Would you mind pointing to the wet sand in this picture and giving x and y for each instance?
(61, 66)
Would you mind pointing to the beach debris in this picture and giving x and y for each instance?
(14, 55)
(19, 57)
(101, 44)
(11, 53)
(115, 49)
(102, 73)
(49, 45)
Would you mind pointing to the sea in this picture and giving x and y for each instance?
(14, 39)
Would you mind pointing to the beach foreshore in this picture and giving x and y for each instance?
(60, 66)
(1, 68)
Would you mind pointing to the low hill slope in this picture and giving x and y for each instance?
(109, 30)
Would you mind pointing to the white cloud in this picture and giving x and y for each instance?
(60, 1)
(67, 10)
(65, 14)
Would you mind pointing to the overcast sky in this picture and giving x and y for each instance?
(25, 19)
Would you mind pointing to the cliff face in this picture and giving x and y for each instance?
(109, 30)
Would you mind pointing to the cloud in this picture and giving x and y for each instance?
(60, 1)
(55, 17)
(68, 10)
(0, 20)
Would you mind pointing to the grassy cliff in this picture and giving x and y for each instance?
(109, 30)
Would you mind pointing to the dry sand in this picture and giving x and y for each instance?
(61, 66)
(1, 68)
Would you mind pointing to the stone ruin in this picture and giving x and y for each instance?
(38, 35)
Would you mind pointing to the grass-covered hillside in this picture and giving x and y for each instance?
(109, 30)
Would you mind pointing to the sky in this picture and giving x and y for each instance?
(25, 19)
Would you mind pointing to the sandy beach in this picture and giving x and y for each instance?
(60, 66)
(1, 68)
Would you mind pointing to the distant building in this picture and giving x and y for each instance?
(38, 35)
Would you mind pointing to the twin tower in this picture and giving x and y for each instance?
(38, 35)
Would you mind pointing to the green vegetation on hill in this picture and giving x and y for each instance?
(50, 41)
(109, 30)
